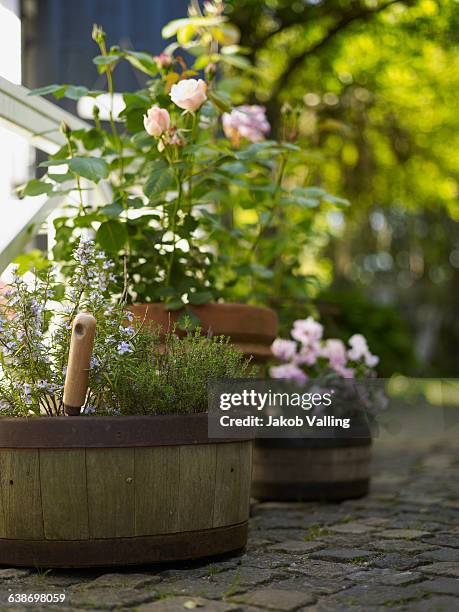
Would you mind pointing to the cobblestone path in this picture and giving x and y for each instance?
(396, 549)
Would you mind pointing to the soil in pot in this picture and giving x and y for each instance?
(101, 491)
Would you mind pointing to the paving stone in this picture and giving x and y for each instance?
(184, 573)
(445, 586)
(408, 546)
(297, 547)
(404, 534)
(282, 535)
(353, 527)
(123, 581)
(219, 585)
(379, 595)
(181, 604)
(375, 521)
(436, 603)
(313, 585)
(443, 539)
(386, 576)
(442, 554)
(343, 554)
(108, 598)
(397, 561)
(340, 540)
(444, 568)
(264, 560)
(278, 599)
(324, 570)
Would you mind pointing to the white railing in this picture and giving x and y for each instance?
(38, 121)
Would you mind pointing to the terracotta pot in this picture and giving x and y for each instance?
(251, 328)
(99, 491)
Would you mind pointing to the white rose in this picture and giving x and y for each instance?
(189, 94)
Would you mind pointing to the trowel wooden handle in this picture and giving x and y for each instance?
(76, 379)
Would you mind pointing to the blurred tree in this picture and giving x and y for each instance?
(377, 82)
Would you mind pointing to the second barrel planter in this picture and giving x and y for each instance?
(311, 469)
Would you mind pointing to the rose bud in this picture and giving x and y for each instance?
(156, 121)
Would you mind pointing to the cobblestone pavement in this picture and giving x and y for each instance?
(397, 548)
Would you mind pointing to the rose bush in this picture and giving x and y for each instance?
(194, 216)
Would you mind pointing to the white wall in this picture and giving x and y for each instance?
(15, 154)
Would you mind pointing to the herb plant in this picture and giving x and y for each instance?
(172, 374)
(35, 332)
(133, 370)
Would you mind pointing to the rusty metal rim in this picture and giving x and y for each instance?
(106, 432)
(310, 491)
(124, 551)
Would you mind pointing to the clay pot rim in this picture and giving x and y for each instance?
(232, 305)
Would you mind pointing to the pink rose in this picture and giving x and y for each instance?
(156, 121)
(246, 122)
(283, 349)
(189, 94)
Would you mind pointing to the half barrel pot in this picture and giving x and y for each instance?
(251, 328)
(100, 491)
(306, 469)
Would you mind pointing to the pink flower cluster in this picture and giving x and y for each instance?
(247, 122)
(308, 354)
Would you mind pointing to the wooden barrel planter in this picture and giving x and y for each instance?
(251, 328)
(311, 469)
(105, 491)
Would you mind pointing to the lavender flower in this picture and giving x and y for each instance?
(36, 338)
(123, 348)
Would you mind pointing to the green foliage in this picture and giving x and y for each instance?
(376, 86)
(171, 374)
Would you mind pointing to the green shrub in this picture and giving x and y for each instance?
(170, 375)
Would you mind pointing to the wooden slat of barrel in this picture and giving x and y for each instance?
(64, 494)
(227, 485)
(197, 486)
(157, 473)
(20, 495)
(111, 492)
(245, 483)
